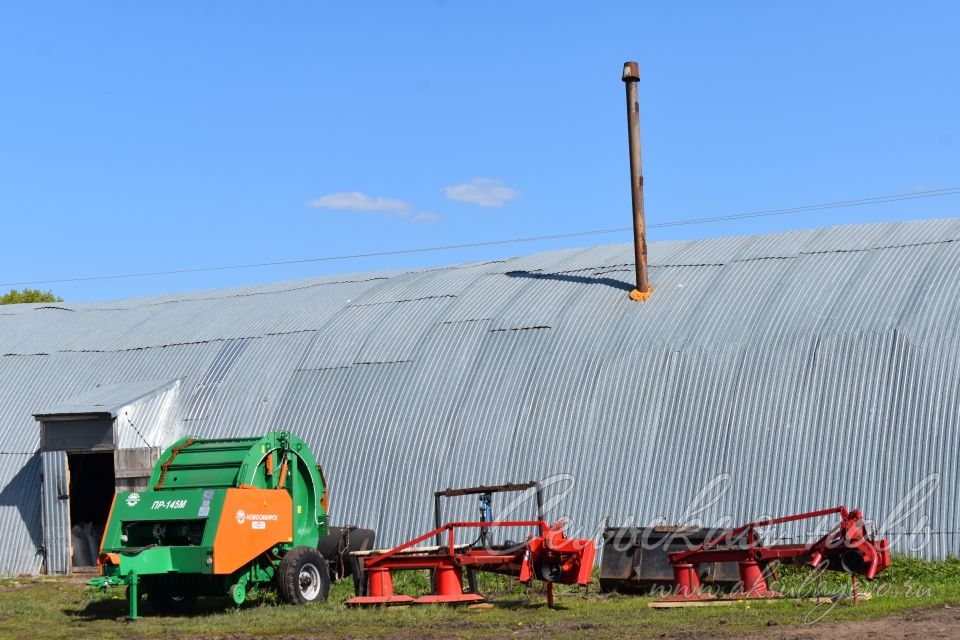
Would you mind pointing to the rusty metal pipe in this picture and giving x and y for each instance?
(631, 76)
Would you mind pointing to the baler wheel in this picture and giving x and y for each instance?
(303, 577)
(238, 593)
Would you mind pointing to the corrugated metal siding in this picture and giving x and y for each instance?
(108, 398)
(147, 422)
(55, 487)
(797, 369)
(20, 520)
(254, 387)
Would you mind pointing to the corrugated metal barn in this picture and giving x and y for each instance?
(811, 367)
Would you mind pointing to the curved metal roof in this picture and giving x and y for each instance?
(797, 369)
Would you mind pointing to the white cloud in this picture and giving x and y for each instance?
(362, 203)
(356, 201)
(425, 218)
(483, 192)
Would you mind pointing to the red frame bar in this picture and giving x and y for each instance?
(451, 527)
(739, 554)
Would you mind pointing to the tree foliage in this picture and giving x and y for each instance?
(29, 295)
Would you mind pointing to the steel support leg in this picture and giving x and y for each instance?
(133, 596)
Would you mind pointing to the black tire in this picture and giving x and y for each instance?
(333, 547)
(337, 545)
(359, 574)
(303, 577)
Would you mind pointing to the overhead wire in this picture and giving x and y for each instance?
(897, 197)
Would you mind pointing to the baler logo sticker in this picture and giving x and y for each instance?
(257, 520)
(133, 499)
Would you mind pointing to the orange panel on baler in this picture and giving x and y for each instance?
(251, 522)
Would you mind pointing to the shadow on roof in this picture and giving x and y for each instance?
(566, 277)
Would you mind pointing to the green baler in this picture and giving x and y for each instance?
(222, 517)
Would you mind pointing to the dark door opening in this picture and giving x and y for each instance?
(92, 486)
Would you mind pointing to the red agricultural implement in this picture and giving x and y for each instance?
(848, 547)
(546, 554)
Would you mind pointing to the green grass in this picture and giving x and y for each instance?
(58, 608)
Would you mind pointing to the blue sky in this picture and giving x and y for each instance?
(167, 135)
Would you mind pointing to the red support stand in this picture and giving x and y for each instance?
(379, 583)
(449, 589)
(687, 585)
(688, 582)
(380, 589)
(752, 582)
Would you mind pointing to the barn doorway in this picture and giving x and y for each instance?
(91, 492)
(92, 445)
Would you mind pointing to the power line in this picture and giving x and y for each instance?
(840, 204)
(489, 243)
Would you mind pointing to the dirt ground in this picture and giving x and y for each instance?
(940, 622)
(64, 609)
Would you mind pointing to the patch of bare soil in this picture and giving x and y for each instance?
(940, 622)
